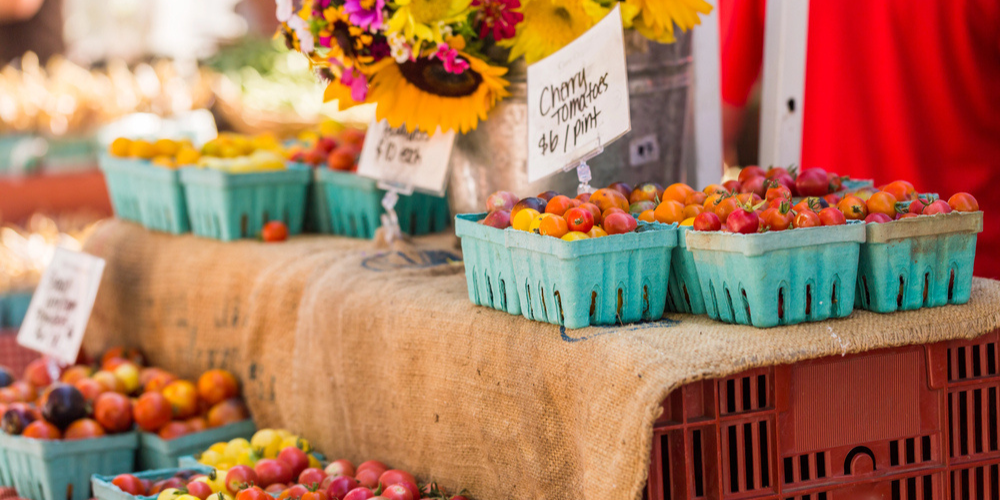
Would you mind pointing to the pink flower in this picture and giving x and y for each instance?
(449, 57)
(499, 16)
(358, 83)
(365, 13)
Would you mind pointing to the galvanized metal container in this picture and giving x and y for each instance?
(495, 155)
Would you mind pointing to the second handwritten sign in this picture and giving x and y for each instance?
(578, 99)
(409, 160)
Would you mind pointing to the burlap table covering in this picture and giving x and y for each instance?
(378, 354)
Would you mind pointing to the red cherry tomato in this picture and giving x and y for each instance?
(726, 207)
(274, 231)
(368, 477)
(832, 198)
(743, 221)
(129, 484)
(812, 182)
(296, 459)
(707, 221)
(397, 492)
(877, 218)
(340, 486)
(756, 185)
(835, 181)
(558, 205)
(778, 219)
(619, 223)
(395, 476)
(777, 193)
(832, 217)
(775, 171)
(806, 218)
(252, 493)
(360, 493)
(202, 490)
(580, 219)
(750, 172)
(312, 476)
(963, 202)
(732, 186)
(238, 477)
(938, 207)
(917, 206)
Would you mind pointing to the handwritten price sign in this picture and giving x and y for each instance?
(578, 99)
(414, 160)
(60, 308)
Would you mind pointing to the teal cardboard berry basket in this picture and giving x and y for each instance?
(489, 270)
(13, 309)
(145, 193)
(61, 470)
(918, 262)
(158, 453)
(229, 206)
(104, 489)
(684, 288)
(778, 278)
(353, 207)
(616, 279)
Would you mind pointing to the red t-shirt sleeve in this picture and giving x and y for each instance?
(741, 27)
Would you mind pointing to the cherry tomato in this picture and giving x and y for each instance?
(412, 487)
(901, 190)
(695, 198)
(501, 200)
(882, 203)
(749, 172)
(274, 231)
(963, 202)
(669, 211)
(787, 181)
(173, 430)
(558, 205)
(756, 185)
(40, 429)
(749, 198)
(731, 186)
(359, 493)
(395, 476)
(612, 210)
(536, 204)
(938, 207)
(368, 477)
(340, 486)
(270, 471)
(726, 207)
(649, 191)
(548, 195)
(917, 206)
(609, 198)
(677, 192)
(832, 217)
(692, 211)
(619, 223)
(743, 221)
(835, 181)
(84, 428)
(238, 477)
(877, 218)
(647, 216)
(775, 192)
(853, 208)
(594, 211)
(552, 225)
(596, 232)
(622, 188)
(215, 386)
(833, 199)
(397, 492)
(775, 171)
(583, 197)
(295, 491)
(713, 201)
(339, 468)
(129, 484)
(202, 490)
(640, 207)
(707, 221)
(251, 493)
(778, 219)
(812, 182)
(113, 411)
(811, 203)
(713, 189)
(579, 219)
(806, 218)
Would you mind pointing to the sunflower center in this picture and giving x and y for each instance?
(427, 11)
(563, 14)
(430, 76)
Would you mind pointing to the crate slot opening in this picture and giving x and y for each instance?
(991, 396)
(489, 290)
(667, 481)
(559, 306)
(503, 295)
(927, 286)
(809, 299)
(977, 367)
(834, 297)
(734, 465)
(746, 305)
(865, 298)
(687, 297)
(593, 306)
(527, 291)
(541, 297)
(698, 463)
(858, 450)
(781, 304)
(715, 303)
(244, 222)
(645, 302)
(951, 285)
(619, 307)
(899, 296)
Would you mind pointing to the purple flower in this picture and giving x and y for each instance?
(365, 13)
(357, 82)
(449, 58)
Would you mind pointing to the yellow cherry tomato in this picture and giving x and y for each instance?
(142, 149)
(164, 161)
(575, 236)
(522, 221)
(120, 147)
(165, 147)
(596, 232)
(688, 222)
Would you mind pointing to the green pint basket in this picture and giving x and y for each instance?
(778, 278)
(104, 489)
(158, 453)
(61, 470)
(354, 207)
(13, 309)
(227, 206)
(145, 193)
(918, 262)
(489, 271)
(683, 287)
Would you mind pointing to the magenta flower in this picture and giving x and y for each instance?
(365, 13)
(449, 57)
(357, 82)
(499, 16)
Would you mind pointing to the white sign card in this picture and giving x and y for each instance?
(60, 308)
(408, 160)
(578, 99)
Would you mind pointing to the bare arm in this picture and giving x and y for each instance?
(18, 10)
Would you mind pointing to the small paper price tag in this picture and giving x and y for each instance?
(408, 160)
(60, 308)
(578, 99)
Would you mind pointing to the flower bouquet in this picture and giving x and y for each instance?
(432, 64)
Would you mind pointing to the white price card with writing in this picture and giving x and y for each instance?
(408, 160)
(578, 99)
(60, 308)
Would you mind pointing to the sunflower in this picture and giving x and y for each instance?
(548, 26)
(655, 19)
(422, 20)
(421, 94)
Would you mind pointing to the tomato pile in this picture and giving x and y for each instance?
(275, 462)
(333, 147)
(81, 402)
(758, 202)
(233, 153)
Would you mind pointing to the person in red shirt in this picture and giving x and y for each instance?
(895, 89)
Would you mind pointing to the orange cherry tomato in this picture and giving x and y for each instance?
(901, 190)
(609, 198)
(558, 205)
(695, 198)
(669, 212)
(274, 231)
(677, 192)
(596, 232)
(713, 200)
(693, 211)
(806, 218)
(713, 188)
(553, 225)
(963, 202)
(882, 202)
(853, 208)
(726, 207)
(648, 216)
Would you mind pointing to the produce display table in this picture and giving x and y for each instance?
(377, 353)
(23, 196)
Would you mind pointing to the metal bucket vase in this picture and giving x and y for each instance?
(495, 155)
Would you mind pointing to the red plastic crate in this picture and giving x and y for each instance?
(918, 422)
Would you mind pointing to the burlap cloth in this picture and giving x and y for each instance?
(378, 354)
